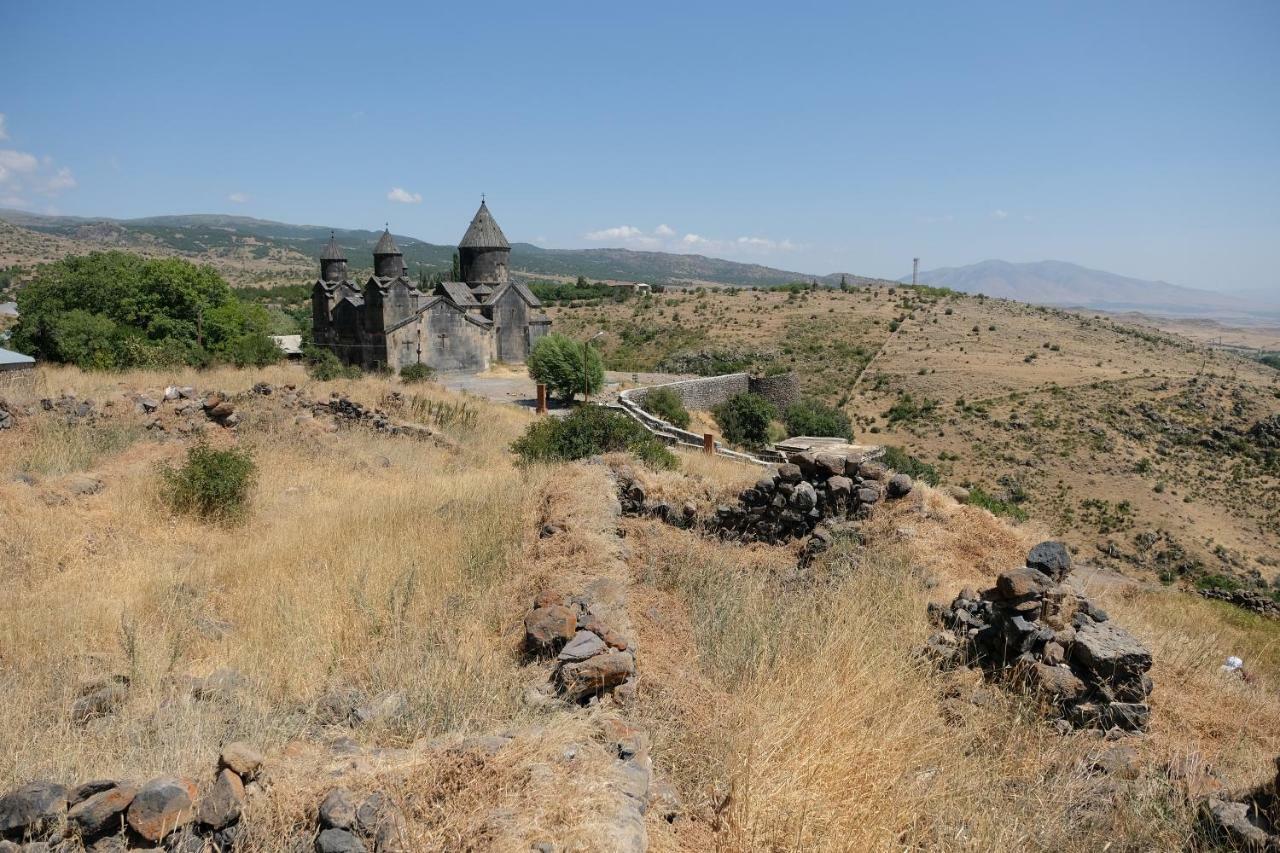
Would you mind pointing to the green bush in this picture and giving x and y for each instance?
(814, 417)
(904, 463)
(1212, 581)
(667, 405)
(417, 373)
(213, 484)
(744, 419)
(252, 351)
(324, 366)
(980, 497)
(587, 431)
(565, 365)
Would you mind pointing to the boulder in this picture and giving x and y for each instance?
(1056, 683)
(839, 487)
(1052, 558)
(84, 791)
(102, 811)
(828, 465)
(1107, 650)
(32, 808)
(585, 644)
(546, 629)
(241, 759)
(1230, 822)
(161, 806)
(868, 495)
(789, 473)
(338, 841)
(872, 471)
(899, 486)
(338, 810)
(804, 498)
(599, 674)
(221, 802)
(1022, 582)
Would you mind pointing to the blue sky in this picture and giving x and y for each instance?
(1138, 137)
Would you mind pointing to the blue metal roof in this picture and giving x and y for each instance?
(9, 357)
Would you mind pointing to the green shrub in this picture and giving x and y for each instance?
(667, 405)
(252, 350)
(587, 431)
(417, 373)
(565, 366)
(324, 366)
(980, 497)
(744, 419)
(213, 484)
(814, 417)
(904, 463)
(1212, 581)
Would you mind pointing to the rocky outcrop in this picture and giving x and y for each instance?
(107, 814)
(1034, 631)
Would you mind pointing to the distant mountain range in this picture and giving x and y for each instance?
(291, 248)
(1073, 286)
(257, 251)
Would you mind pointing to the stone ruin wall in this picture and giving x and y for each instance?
(707, 392)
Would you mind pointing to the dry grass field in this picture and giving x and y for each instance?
(1102, 431)
(394, 574)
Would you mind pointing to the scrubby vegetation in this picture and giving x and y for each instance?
(324, 366)
(813, 417)
(744, 419)
(899, 460)
(417, 373)
(588, 431)
(667, 405)
(115, 310)
(213, 484)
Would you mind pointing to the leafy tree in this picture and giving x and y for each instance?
(455, 269)
(417, 373)
(566, 366)
(813, 417)
(744, 419)
(110, 310)
(324, 366)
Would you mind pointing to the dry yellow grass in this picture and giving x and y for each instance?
(790, 711)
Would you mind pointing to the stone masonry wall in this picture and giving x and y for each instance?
(710, 391)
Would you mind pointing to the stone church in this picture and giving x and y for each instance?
(459, 326)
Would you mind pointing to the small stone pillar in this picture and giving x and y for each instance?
(708, 444)
(542, 398)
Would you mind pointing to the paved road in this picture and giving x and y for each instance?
(520, 390)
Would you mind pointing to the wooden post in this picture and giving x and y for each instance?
(708, 444)
(542, 398)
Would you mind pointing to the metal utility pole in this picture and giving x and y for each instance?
(915, 269)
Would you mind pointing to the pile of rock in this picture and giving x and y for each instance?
(6, 415)
(1265, 434)
(1033, 630)
(110, 815)
(1248, 599)
(348, 827)
(344, 409)
(71, 407)
(592, 658)
(788, 502)
(1250, 821)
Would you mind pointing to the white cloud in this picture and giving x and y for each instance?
(4, 134)
(620, 232)
(694, 240)
(664, 231)
(238, 198)
(999, 214)
(22, 173)
(403, 196)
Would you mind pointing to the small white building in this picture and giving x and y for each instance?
(8, 309)
(12, 362)
(290, 345)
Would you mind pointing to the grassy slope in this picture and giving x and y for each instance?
(1094, 425)
(789, 715)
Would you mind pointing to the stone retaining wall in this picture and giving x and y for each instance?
(709, 391)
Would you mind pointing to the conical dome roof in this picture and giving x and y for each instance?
(386, 245)
(333, 252)
(484, 232)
